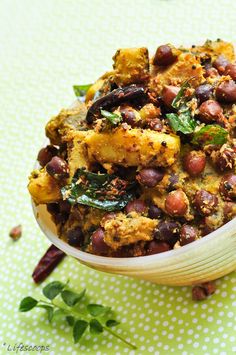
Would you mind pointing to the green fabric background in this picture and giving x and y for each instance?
(46, 46)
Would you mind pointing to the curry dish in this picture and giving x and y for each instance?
(144, 161)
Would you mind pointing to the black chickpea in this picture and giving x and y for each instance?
(129, 117)
(228, 187)
(138, 206)
(173, 182)
(60, 218)
(64, 206)
(167, 231)
(155, 247)
(53, 208)
(220, 63)
(154, 212)
(168, 94)
(46, 154)
(230, 70)
(57, 168)
(150, 177)
(188, 234)
(204, 92)
(75, 237)
(211, 72)
(226, 159)
(155, 124)
(98, 245)
(176, 203)
(164, 56)
(205, 202)
(226, 91)
(210, 111)
(229, 211)
(194, 162)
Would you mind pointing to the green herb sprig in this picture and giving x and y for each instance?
(94, 319)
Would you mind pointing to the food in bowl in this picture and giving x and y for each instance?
(144, 162)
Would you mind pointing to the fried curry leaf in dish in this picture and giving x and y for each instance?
(81, 90)
(182, 121)
(210, 134)
(180, 98)
(111, 117)
(102, 191)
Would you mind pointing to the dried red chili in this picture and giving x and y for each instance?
(47, 263)
(115, 98)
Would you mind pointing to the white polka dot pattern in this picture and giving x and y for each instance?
(45, 48)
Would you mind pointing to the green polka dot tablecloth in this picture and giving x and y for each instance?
(46, 46)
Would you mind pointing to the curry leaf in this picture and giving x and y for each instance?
(182, 122)
(79, 328)
(210, 134)
(70, 320)
(102, 191)
(113, 118)
(107, 205)
(27, 304)
(53, 289)
(95, 326)
(96, 181)
(112, 323)
(49, 310)
(81, 90)
(71, 298)
(179, 97)
(97, 309)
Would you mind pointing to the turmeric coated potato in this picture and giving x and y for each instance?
(123, 230)
(43, 188)
(131, 65)
(215, 49)
(133, 147)
(67, 120)
(77, 153)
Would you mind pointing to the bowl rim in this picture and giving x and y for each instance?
(134, 261)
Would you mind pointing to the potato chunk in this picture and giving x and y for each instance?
(77, 153)
(131, 66)
(133, 147)
(43, 188)
(65, 121)
(185, 68)
(124, 230)
(216, 48)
